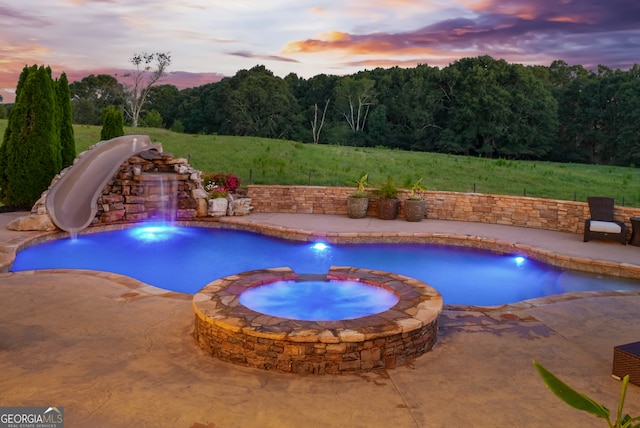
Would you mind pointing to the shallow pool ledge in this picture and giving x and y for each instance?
(231, 332)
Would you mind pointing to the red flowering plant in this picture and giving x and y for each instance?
(220, 185)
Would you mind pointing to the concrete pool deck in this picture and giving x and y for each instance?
(115, 354)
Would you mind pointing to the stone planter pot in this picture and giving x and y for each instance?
(414, 210)
(218, 207)
(388, 208)
(357, 207)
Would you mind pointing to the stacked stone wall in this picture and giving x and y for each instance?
(548, 214)
(152, 189)
(316, 357)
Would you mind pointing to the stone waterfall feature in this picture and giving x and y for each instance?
(153, 186)
(144, 188)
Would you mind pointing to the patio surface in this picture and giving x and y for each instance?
(115, 353)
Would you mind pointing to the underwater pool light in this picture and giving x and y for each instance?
(153, 233)
(320, 246)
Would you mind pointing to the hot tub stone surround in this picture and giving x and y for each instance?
(231, 332)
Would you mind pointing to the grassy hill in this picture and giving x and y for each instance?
(266, 161)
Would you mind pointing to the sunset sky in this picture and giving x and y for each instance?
(209, 39)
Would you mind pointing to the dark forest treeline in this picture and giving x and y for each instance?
(475, 106)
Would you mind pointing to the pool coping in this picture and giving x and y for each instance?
(583, 264)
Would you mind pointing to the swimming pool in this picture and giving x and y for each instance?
(185, 259)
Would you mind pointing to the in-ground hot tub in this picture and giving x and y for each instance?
(230, 331)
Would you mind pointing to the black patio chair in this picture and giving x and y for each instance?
(602, 224)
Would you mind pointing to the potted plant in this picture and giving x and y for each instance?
(415, 207)
(358, 201)
(218, 202)
(388, 203)
(219, 186)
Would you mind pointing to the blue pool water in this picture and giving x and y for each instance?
(185, 259)
(318, 300)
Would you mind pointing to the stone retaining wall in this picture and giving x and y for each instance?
(548, 214)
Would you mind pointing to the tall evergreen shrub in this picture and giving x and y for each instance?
(112, 123)
(3, 166)
(56, 146)
(4, 179)
(31, 156)
(67, 137)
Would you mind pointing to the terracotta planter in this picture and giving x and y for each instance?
(357, 207)
(388, 208)
(414, 210)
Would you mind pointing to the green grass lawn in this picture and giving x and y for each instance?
(266, 161)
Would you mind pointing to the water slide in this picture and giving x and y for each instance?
(71, 202)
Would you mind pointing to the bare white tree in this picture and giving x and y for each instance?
(150, 68)
(316, 127)
(354, 97)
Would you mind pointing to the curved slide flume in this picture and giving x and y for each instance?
(71, 202)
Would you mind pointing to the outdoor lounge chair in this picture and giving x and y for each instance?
(602, 224)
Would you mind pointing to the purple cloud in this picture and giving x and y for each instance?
(245, 54)
(590, 31)
(14, 16)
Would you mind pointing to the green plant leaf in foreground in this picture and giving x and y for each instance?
(623, 394)
(625, 421)
(569, 395)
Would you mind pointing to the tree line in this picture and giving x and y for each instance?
(477, 106)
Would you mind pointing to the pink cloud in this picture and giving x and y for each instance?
(519, 29)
